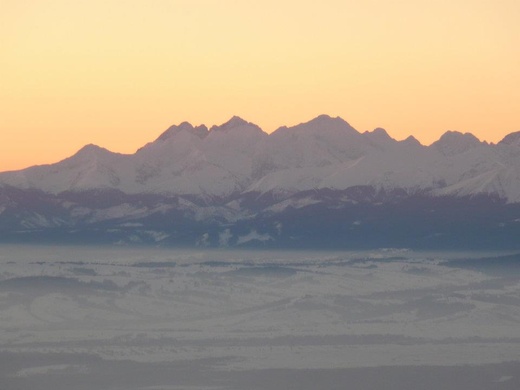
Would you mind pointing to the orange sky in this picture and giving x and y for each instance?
(117, 73)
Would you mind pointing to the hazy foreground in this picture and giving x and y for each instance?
(78, 318)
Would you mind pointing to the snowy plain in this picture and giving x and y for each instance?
(134, 318)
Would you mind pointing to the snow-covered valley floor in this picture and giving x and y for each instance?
(120, 318)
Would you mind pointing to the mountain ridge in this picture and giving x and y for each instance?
(320, 183)
(239, 156)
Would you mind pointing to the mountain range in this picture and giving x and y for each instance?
(320, 184)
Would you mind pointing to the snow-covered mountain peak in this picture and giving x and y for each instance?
(411, 140)
(90, 149)
(455, 142)
(323, 128)
(380, 132)
(172, 130)
(511, 139)
(236, 123)
(323, 117)
(90, 152)
(379, 135)
(326, 123)
(200, 131)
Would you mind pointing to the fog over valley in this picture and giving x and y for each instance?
(110, 318)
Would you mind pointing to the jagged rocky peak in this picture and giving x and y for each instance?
(455, 142)
(378, 134)
(236, 123)
(200, 131)
(511, 139)
(411, 140)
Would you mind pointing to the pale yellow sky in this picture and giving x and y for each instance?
(117, 73)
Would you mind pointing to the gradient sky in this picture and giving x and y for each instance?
(117, 73)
